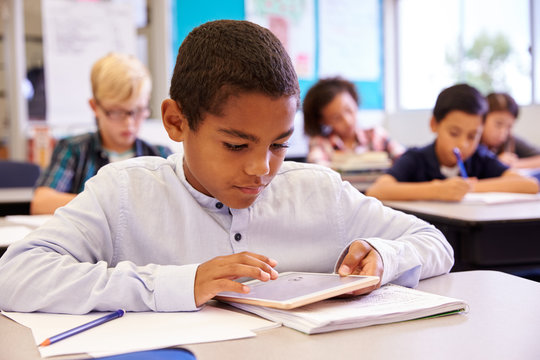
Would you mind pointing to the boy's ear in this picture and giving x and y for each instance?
(174, 121)
(433, 124)
(93, 105)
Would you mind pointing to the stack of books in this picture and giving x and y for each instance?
(361, 169)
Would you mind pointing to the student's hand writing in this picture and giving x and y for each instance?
(218, 274)
(362, 259)
(454, 188)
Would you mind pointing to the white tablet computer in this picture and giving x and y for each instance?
(294, 289)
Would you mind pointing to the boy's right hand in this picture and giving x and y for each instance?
(218, 274)
(454, 188)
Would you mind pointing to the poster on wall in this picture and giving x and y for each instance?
(350, 39)
(293, 22)
(75, 35)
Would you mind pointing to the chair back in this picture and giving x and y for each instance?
(18, 174)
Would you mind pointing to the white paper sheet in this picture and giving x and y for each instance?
(498, 198)
(10, 234)
(139, 331)
(32, 221)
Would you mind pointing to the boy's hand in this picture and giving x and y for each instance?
(454, 188)
(218, 274)
(362, 259)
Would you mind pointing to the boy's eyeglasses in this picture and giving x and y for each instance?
(119, 115)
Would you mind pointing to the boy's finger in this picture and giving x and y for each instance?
(357, 252)
(235, 271)
(255, 261)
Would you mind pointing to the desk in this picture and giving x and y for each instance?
(15, 201)
(502, 324)
(502, 237)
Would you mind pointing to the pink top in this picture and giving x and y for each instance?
(321, 148)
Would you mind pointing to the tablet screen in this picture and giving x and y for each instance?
(293, 288)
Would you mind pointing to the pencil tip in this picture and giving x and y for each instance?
(45, 343)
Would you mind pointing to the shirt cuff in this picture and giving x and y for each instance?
(174, 288)
(386, 252)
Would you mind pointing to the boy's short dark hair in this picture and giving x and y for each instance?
(226, 57)
(320, 95)
(502, 102)
(460, 97)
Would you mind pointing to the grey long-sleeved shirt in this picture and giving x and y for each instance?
(133, 239)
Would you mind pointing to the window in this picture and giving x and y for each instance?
(486, 43)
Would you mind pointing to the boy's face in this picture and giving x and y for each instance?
(340, 115)
(497, 128)
(234, 156)
(457, 129)
(119, 122)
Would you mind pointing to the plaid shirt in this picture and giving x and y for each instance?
(321, 148)
(78, 158)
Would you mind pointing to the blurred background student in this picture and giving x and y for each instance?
(121, 87)
(497, 135)
(330, 120)
(432, 172)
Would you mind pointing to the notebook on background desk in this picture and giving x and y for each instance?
(487, 198)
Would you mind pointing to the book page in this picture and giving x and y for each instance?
(390, 303)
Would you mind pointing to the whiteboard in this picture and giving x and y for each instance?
(75, 35)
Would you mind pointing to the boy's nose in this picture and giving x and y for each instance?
(258, 164)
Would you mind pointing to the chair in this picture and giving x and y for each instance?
(14, 174)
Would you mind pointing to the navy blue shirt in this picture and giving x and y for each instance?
(421, 164)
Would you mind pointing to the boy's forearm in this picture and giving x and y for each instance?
(402, 191)
(46, 200)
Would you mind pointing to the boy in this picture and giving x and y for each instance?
(170, 234)
(121, 88)
(431, 172)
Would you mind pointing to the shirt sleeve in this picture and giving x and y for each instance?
(405, 168)
(525, 149)
(411, 249)
(59, 174)
(71, 265)
(320, 151)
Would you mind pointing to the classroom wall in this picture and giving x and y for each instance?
(411, 128)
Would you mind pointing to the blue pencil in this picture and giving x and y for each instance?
(84, 327)
(460, 163)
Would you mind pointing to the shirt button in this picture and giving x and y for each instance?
(219, 205)
(237, 236)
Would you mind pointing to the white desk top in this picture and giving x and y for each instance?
(502, 323)
(16, 195)
(471, 212)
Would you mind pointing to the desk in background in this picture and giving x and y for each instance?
(502, 323)
(503, 237)
(15, 201)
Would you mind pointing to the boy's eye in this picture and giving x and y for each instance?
(233, 147)
(280, 146)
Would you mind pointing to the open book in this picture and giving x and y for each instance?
(390, 303)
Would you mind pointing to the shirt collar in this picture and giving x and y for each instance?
(205, 201)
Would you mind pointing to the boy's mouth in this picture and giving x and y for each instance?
(251, 190)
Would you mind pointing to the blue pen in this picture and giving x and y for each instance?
(460, 163)
(84, 327)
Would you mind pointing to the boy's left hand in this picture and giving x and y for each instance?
(362, 259)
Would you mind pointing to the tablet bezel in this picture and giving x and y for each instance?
(294, 302)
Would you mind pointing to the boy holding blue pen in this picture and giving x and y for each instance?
(169, 234)
(454, 164)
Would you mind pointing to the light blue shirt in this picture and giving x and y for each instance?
(133, 239)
